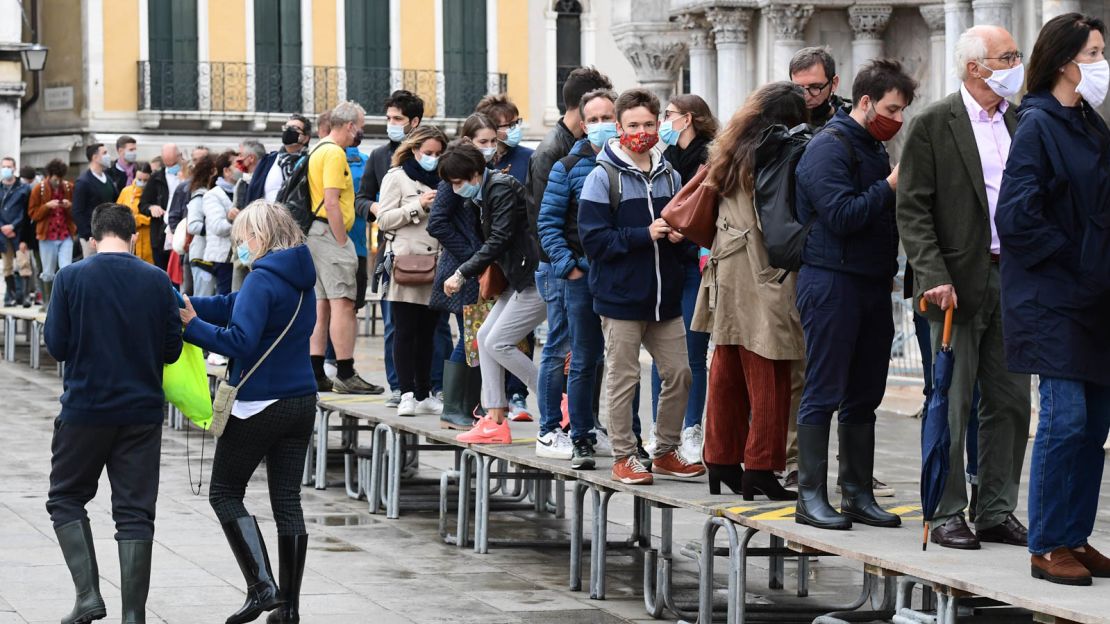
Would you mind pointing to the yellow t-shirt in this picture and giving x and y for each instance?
(328, 169)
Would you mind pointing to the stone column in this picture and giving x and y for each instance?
(993, 12)
(788, 22)
(868, 21)
(957, 19)
(703, 58)
(1055, 8)
(550, 74)
(656, 52)
(730, 29)
(934, 18)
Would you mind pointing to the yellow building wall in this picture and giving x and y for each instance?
(324, 24)
(121, 55)
(227, 52)
(418, 50)
(512, 50)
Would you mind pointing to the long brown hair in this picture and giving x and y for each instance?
(731, 156)
(204, 174)
(705, 124)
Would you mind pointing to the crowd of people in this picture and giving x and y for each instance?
(1001, 208)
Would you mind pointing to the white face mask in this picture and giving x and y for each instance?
(1006, 82)
(1095, 81)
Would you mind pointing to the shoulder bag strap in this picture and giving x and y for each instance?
(296, 312)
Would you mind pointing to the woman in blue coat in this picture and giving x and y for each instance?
(1053, 216)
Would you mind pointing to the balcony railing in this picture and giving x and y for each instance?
(224, 87)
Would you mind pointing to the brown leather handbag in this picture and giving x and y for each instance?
(693, 210)
(492, 282)
(414, 270)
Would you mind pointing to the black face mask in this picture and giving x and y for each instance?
(357, 140)
(290, 136)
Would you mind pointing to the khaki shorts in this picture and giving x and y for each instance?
(336, 266)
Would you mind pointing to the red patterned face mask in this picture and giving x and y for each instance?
(639, 142)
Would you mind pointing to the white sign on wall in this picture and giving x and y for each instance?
(58, 98)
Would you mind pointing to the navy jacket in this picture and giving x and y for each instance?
(1053, 220)
(13, 210)
(114, 321)
(244, 324)
(558, 218)
(457, 226)
(558, 143)
(632, 277)
(257, 187)
(849, 202)
(515, 163)
(88, 193)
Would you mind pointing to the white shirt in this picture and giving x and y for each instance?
(245, 409)
(103, 177)
(993, 140)
(274, 180)
(171, 181)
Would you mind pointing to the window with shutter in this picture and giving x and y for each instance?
(464, 55)
(172, 28)
(368, 71)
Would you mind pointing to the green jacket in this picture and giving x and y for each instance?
(942, 211)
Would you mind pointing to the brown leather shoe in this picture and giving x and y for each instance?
(954, 533)
(1095, 562)
(1062, 569)
(1011, 531)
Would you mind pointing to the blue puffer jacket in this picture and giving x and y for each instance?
(850, 202)
(1053, 221)
(632, 277)
(356, 160)
(244, 324)
(558, 219)
(455, 224)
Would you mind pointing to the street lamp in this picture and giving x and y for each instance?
(34, 57)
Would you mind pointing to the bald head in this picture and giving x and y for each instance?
(170, 154)
(983, 45)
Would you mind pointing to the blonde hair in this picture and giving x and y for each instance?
(415, 140)
(270, 224)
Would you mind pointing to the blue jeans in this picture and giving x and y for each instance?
(551, 379)
(697, 348)
(1066, 471)
(441, 349)
(458, 356)
(55, 255)
(390, 372)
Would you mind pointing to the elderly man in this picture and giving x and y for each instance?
(156, 199)
(951, 173)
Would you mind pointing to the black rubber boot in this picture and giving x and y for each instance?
(9, 290)
(455, 413)
(292, 550)
(857, 467)
(76, 541)
(473, 400)
(250, 552)
(134, 566)
(813, 506)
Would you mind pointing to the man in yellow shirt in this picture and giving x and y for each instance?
(332, 193)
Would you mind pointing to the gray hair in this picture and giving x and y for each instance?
(971, 46)
(254, 147)
(268, 222)
(346, 112)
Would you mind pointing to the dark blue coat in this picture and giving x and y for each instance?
(13, 210)
(455, 224)
(1053, 217)
(850, 202)
(558, 217)
(515, 162)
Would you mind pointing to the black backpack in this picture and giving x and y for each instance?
(295, 196)
(776, 159)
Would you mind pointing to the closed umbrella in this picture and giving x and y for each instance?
(936, 439)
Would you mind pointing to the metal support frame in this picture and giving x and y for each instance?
(36, 344)
(600, 544)
(9, 337)
(942, 603)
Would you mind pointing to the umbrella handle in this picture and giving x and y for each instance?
(946, 339)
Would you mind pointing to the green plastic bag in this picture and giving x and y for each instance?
(185, 383)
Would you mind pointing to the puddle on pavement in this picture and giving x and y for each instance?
(332, 544)
(337, 520)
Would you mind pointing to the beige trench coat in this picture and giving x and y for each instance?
(406, 224)
(743, 299)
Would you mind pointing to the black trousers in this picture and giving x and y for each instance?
(280, 434)
(414, 327)
(130, 452)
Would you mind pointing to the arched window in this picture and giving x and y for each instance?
(568, 43)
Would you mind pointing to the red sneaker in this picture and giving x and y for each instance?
(564, 407)
(486, 431)
(630, 471)
(674, 465)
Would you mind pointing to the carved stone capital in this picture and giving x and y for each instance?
(697, 29)
(730, 25)
(934, 17)
(868, 21)
(789, 20)
(655, 54)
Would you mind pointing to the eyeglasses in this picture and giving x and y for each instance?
(815, 90)
(510, 125)
(1011, 59)
(297, 128)
(667, 114)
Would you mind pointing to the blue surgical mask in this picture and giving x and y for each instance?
(668, 134)
(599, 133)
(6, 173)
(428, 163)
(244, 254)
(514, 135)
(488, 152)
(173, 170)
(395, 133)
(468, 190)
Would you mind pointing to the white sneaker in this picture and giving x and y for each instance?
(554, 445)
(430, 406)
(407, 406)
(690, 448)
(603, 447)
(651, 444)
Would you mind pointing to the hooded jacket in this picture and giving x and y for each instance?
(507, 237)
(632, 277)
(558, 143)
(455, 223)
(244, 324)
(558, 218)
(1053, 219)
(848, 200)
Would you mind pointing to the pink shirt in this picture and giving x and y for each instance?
(993, 141)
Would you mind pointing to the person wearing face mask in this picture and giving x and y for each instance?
(50, 208)
(942, 198)
(14, 196)
(276, 166)
(217, 225)
(814, 70)
(1053, 211)
(129, 197)
(408, 192)
(122, 172)
(511, 157)
(92, 189)
(156, 198)
(845, 190)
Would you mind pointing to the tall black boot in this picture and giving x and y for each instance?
(134, 566)
(292, 550)
(473, 399)
(9, 290)
(250, 552)
(455, 414)
(857, 467)
(813, 506)
(76, 541)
